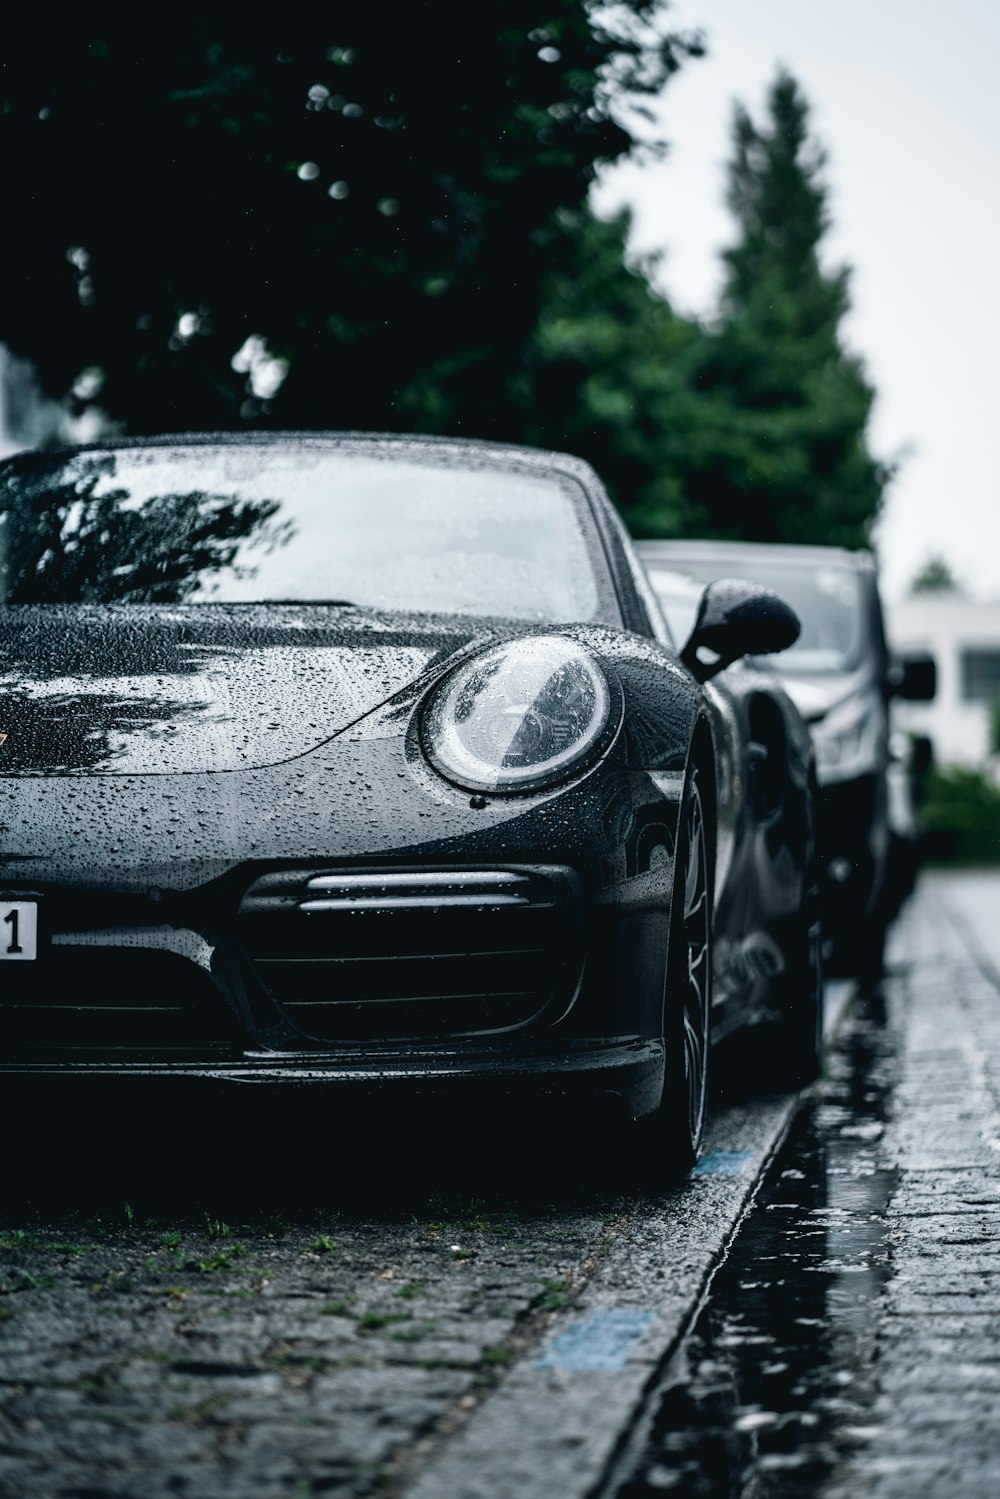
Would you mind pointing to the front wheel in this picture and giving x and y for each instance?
(672, 1135)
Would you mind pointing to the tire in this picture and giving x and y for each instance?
(672, 1134)
(796, 1050)
(870, 952)
(901, 868)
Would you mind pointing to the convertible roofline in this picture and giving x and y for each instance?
(479, 450)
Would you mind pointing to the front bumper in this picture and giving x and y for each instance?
(508, 980)
(626, 1075)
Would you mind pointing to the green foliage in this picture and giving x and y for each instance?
(375, 1321)
(554, 1295)
(609, 375)
(962, 816)
(496, 1354)
(935, 576)
(781, 453)
(322, 1244)
(331, 220)
(754, 427)
(336, 1309)
(222, 1260)
(372, 199)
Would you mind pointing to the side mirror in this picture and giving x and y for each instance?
(914, 678)
(736, 618)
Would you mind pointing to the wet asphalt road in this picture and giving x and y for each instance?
(321, 1307)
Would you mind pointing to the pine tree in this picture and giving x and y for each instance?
(780, 449)
(936, 576)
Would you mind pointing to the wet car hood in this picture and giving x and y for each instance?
(137, 689)
(814, 696)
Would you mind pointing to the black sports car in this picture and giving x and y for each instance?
(334, 758)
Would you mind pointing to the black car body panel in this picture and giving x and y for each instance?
(855, 829)
(246, 868)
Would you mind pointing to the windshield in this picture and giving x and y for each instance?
(827, 598)
(246, 523)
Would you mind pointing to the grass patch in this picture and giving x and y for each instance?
(323, 1244)
(216, 1262)
(415, 1333)
(375, 1321)
(26, 1282)
(554, 1295)
(411, 1290)
(19, 1238)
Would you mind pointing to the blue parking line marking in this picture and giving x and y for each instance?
(723, 1163)
(603, 1340)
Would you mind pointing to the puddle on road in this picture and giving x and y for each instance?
(773, 1386)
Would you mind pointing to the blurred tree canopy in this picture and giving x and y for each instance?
(751, 427)
(781, 452)
(377, 221)
(610, 372)
(936, 576)
(314, 218)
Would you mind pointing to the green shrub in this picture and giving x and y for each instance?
(962, 816)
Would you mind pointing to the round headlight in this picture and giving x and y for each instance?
(518, 716)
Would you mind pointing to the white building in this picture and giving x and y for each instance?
(963, 636)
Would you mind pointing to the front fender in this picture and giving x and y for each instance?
(662, 700)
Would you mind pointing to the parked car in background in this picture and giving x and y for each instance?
(339, 761)
(843, 678)
(911, 757)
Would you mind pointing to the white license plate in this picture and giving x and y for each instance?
(18, 930)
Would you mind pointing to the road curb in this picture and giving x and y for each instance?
(556, 1422)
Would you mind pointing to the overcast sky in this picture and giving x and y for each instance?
(906, 100)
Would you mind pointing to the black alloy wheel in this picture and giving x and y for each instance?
(673, 1134)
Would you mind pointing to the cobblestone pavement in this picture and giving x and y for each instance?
(288, 1354)
(223, 1343)
(173, 1324)
(851, 1343)
(934, 1423)
(259, 1353)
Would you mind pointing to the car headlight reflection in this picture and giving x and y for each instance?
(520, 715)
(848, 740)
